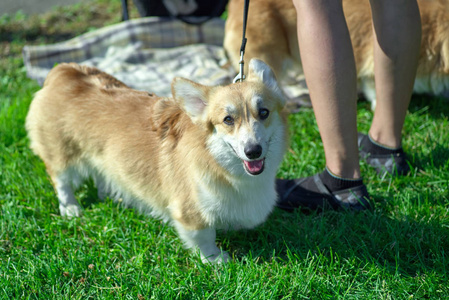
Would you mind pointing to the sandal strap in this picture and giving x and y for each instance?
(320, 185)
(292, 188)
(355, 197)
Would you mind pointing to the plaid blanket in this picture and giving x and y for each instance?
(146, 54)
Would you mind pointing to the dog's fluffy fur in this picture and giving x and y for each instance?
(271, 34)
(203, 160)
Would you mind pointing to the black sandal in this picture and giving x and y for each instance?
(293, 195)
(394, 163)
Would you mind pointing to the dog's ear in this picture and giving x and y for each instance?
(260, 71)
(191, 96)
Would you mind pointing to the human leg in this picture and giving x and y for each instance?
(397, 39)
(329, 68)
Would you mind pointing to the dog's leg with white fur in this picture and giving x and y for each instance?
(68, 205)
(204, 240)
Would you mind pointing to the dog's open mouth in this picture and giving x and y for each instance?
(254, 167)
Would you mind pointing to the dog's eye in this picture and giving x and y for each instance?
(263, 113)
(228, 120)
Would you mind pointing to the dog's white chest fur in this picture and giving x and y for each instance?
(245, 205)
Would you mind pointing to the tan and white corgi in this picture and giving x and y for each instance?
(272, 37)
(205, 159)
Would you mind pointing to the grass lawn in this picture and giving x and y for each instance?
(398, 251)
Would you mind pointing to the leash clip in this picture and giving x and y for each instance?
(240, 76)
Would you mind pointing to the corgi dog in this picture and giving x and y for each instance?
(202, 160)
(272, 37)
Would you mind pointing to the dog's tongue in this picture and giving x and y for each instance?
(254, 166)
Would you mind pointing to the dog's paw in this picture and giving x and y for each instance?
(70, 210)
(219, 258)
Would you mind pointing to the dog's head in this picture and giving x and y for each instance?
(244, 119)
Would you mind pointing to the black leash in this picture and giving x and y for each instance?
(240, 76)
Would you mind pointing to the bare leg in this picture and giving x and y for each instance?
(329, 66)
(397, 38)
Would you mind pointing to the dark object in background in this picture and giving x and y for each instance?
(204, 11)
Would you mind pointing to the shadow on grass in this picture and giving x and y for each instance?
(436, 106)
(437, 159)
(89, 195)
(393, 244)
(392, 238)
(427, 149)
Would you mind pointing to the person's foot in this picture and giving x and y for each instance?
(322, 191)
(384, 160)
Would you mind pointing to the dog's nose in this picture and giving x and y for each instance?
(253, 151)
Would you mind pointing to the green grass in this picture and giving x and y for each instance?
(398, 251)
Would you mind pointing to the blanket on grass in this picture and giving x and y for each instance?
(146, 54)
